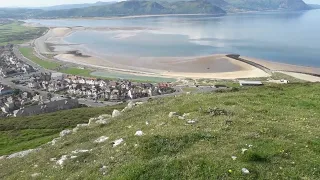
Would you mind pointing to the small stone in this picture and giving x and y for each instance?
(124, 109)
(73, 157)
(54, 141)
(139, 103)
(101, 122)
(186, 114)
(116, 113)
(53, 159)
(191, 121)
(104, 116)
(243, 150)
(171, 114)
(245, 171)
(65, 132)
(130, 105)
(74, 130)
(147, 123)
(138, 133)
(234, 157)
(22, 153)
(35, 174)
(80, 151)
(230, 171)
(61, 160)
(250, 146)
(82, 125)
(36, 165)
(101, 139)
(91, 120)
(181, 117)
(117, 142)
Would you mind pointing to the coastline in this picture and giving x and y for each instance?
(170, 67)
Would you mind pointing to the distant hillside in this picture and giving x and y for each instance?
(73, 6)
(260, 5)
(152, 7)
(126, 8)
(314, 6)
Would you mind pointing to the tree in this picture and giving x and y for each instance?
(16, 92)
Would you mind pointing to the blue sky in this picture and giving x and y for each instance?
(37, 3)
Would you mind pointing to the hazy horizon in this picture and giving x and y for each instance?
(41, 3)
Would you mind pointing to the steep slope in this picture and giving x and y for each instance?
(272, 132)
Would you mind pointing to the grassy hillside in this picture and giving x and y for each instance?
(22, 133)
(16, 33)
(278, 125)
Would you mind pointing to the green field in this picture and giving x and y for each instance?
(28, 53)
(77, 71)
(278, 125)
(15, 33)
(17, 134)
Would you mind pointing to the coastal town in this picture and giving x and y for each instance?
(26, 90)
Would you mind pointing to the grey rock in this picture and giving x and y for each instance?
(91, 120)
(116, 113)
(191, 121)
(171, 114)
(130, 105)
(65, 132)
(101, 139)
(105, 116)
(245, 171)
(54, 141)
(22, 153)
(101, 122)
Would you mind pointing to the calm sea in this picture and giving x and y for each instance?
(288, 37)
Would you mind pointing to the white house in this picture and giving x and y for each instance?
(57, 76)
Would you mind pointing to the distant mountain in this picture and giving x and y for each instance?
(127, 8)
(73, 6)
(262, 5)
(314, 6)
(153, 7)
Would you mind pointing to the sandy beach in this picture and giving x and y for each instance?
(216, 66)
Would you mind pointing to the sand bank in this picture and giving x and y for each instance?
(201, 67)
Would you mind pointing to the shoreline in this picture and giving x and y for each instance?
(158, 66)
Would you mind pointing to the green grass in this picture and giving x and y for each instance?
(15, 33)
(278, 76)
(189, 89)
(17, 134)
(281, 122)
(77, 71)
(28, 53)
